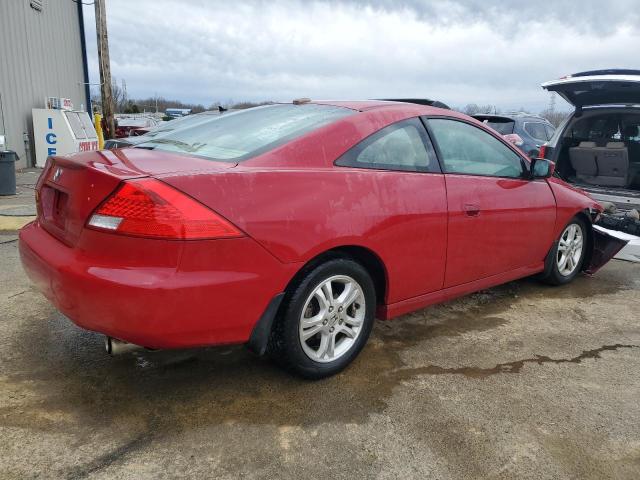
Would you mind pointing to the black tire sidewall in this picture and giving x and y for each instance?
(290, 351)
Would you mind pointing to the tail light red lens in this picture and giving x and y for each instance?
(543, 152)
(150, 208)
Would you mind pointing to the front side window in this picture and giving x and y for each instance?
(469, 150)
(237, 136)
(401, 146)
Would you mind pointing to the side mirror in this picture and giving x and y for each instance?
(541, 168)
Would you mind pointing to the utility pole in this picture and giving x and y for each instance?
(105, 68)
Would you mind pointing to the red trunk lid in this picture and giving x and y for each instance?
(70, 188)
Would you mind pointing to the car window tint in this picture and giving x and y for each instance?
(401, 146)
(469, 150)
(536, 130)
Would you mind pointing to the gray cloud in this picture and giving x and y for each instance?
(581, 15)
(463, 51)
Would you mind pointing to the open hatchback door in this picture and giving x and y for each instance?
(598, 87)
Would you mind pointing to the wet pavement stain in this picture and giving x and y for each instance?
(76, 383)
(65, 383)
(512, 367)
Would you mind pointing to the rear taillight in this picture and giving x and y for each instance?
(150, 208)
(543, 152)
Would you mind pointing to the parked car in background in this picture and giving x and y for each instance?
(598, 147)
(526, 131)
(128, 125)
(177, 112)
(162, 129)
(290, 227)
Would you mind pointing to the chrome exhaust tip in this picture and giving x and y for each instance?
(113, 346)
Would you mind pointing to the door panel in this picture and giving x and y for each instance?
(496, 225)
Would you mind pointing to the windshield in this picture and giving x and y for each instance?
(182, 122)
(240, 135)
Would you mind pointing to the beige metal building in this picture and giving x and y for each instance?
(42, 54)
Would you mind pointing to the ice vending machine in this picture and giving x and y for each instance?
(60, 132)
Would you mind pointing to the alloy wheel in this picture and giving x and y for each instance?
(332, 318)
(569, 249)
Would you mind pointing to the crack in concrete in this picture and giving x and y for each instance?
(16, 294)
(109, 458)
(510, 367)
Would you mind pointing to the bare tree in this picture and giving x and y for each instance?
(475, 109)
(555, 118)
(471, 109)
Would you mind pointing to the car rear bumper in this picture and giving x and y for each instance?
(214, 294)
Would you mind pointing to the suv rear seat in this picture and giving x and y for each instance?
(606, 166)
(613, 165)
(583, 160)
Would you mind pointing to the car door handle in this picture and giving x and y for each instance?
(472, 209)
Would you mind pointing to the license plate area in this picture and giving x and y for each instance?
(54, 204)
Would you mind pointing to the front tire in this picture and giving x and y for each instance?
(567, 256)
(325, 320)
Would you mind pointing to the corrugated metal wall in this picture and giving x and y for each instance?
(40, 56)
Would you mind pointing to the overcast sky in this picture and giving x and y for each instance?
(456, 51)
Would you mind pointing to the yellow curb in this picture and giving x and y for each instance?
(10, 224)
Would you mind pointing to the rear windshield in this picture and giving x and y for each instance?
(503, 127)
(234, 137)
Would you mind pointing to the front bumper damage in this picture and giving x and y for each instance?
(606, 244)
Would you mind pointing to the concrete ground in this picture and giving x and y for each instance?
(521, 381)
(19, 209)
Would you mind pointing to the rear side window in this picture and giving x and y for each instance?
(599, 129)
(536, 130)
(401, 146)
(467, 149)
(234, 137)
(550, 131)
(503, 127)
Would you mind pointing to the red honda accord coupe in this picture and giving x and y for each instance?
(290, 227)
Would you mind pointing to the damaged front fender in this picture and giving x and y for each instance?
(605, 246)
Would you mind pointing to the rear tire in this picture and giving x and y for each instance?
(565, 259)
(325, 319)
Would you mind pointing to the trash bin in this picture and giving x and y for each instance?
(8, 172)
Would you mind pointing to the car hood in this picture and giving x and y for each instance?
(604, 87)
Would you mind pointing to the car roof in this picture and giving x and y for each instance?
(359, 105)
(366, 105)
(511, 116)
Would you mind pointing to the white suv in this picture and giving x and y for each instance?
(598, 147)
